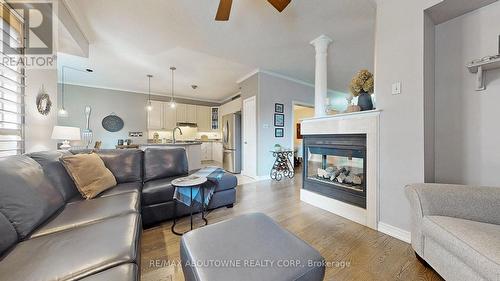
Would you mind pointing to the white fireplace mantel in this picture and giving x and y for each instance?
(365, 122)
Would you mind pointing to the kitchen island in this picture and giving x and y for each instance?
(193, 151)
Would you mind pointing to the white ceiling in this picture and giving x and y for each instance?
(131, 38)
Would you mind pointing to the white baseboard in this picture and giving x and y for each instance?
(395, 232)
(262, 178)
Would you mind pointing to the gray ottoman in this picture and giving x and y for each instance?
(248, 247)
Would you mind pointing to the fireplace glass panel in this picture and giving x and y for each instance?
(337, 166)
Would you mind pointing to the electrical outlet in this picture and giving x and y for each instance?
(396, 88)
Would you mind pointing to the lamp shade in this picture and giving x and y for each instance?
(66, 133)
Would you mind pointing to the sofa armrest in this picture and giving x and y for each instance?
(459, 201)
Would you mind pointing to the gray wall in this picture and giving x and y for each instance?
(399, 56)
(429, 98)
(276, 90)
(131, 107)
(467, 135)
(38, 128)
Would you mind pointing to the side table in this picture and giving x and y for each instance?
(192, 183)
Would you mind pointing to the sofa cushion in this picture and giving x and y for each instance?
(251, 237)
(158, 191)
(77, 253)
(8, 235)
(27, 197)
(125, 164)
(124, 272)
(55, 171)
(476, 243)
(89, 173)
(227, 181)
(164, 163)
(121, 188)
(127, 187)
(90, 211)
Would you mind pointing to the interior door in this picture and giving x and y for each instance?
(249, 137)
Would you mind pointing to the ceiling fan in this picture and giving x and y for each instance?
(225, 8)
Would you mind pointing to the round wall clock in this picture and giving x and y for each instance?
(112, 123)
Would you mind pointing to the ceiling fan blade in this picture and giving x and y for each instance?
(224, 10)
(280, 5)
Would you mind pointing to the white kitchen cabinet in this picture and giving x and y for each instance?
(169, 116)
(203, 118)
(155, 116)
(215, 118)
(191, 113)
(217, 151)
(181, 112)
(206, 151)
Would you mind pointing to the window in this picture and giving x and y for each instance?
(11, 85)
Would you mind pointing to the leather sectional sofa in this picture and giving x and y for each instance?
(48, 232)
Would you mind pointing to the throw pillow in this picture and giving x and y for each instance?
(89, 173)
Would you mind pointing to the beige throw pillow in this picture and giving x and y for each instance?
(89, 173)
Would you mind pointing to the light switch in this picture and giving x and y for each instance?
(396, 88)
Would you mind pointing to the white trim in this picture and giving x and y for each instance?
(230, 98)
(139, 92)
(341, 115)
(340, 208)
(395, 232)
(262, 178)
(278, 75)
(246, 76)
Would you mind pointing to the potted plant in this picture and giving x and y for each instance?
(362, 87)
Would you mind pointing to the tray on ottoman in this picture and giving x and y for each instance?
(248, 247)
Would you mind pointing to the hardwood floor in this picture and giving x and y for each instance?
(356, 252)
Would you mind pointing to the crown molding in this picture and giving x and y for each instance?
(250, 74)
(143, 93)
(278, 75)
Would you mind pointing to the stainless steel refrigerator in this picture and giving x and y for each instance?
(231, 139)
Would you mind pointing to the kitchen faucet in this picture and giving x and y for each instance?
(173, 132)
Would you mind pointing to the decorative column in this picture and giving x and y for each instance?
(321, 88)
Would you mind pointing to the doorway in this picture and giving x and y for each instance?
(300, 112)
(249, 114)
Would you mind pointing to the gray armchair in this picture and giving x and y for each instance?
(456, 229)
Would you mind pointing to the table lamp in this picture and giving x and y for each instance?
(66, 134)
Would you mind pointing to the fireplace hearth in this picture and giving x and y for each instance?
(335, 166)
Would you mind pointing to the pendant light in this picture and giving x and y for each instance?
(149, 106)
(172, 100)
(63, 113)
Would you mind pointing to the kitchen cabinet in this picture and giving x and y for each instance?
(191, 113)
(164, 117)
(181, 112)
(215, 118)
(206, 151)
(217, 151)
(203, 118)
(155, 116)
(169, 117)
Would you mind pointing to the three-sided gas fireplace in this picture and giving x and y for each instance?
(335, 166)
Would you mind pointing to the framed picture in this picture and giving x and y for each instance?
(279, 120)
(299, 135)
(279, 108)
(279, 132)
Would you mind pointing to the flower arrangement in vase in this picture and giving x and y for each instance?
(362, 87)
